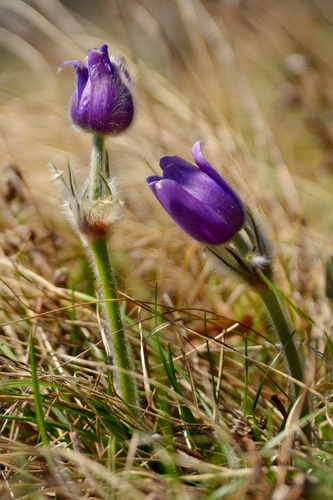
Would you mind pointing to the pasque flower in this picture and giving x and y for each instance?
(102, 102)
(206, 207)
(198, 199)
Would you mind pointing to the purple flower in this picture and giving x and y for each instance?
(198, 199)
(102, 102)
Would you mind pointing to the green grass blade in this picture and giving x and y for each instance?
(246, 376)
(256, 398)
(37, 394)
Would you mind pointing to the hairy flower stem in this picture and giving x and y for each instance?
(97, 166)
(280, 324)
(121, 350)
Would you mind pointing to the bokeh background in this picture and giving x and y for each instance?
(251, 79)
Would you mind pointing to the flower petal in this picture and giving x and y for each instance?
(205, 166)
(98, 64)
(81, 75)
(177, 162)
(196, 218)
(153, 178)
(103, 101)
(231, 205)
(205, 188)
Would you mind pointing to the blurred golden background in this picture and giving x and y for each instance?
(251, 79)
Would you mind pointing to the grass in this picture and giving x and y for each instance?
(216, 417)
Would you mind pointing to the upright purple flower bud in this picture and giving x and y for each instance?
(198, 199)
(102, 102)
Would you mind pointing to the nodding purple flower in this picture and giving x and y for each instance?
(102, 102)
(198, 199)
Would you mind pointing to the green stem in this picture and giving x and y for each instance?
(97, 166)
(117, 348)
(121, 350)
(282, 328)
